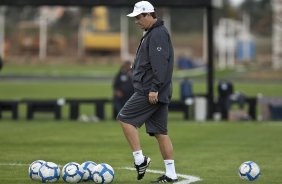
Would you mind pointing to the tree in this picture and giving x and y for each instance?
(260, 12)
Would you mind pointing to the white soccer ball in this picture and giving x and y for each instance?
(49, 172)
(88, 168)
(72, 172)
(249, 171)
(103, 173)
(34, 168)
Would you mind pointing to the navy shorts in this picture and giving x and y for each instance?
(137, 111)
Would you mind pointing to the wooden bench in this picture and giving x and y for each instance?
(75, 103)
(9, 105)
(52, 106)
(100, 107)
(46, 106)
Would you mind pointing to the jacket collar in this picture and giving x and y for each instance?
(158, 23)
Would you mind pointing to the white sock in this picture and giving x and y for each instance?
(170, 169)
(138, 157)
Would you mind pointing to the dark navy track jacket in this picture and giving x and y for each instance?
(153, 65)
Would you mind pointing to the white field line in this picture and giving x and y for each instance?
(13, 164)
(187, 179)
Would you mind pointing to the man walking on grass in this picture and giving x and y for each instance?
(152, 81)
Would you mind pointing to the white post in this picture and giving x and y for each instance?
(247, 38)
(80, 39)
(2, 31)
(221, 42)
(277, 35)
(124, 47)
(231, 43)
(167, 20)
(42, 38)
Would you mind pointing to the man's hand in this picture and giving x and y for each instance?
(153, 97)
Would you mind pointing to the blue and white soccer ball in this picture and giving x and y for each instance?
(72, 172)
(88, 168)
(103, 173)
(49, 172)
(249, 171)
(34, 169)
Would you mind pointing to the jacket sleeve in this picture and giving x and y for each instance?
(159, 57)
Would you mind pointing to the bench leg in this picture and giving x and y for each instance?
(186, 113)
(74, 111)
(15, 113)
(58, 113)
(100, 111)
(29, 114)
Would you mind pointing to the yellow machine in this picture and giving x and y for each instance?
(96, 32)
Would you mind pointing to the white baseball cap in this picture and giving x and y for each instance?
(141, 7)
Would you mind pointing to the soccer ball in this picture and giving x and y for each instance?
(49, 172)
(103, 173)
(72, 172)
(249, 171)
(34, 168)
(88, 168)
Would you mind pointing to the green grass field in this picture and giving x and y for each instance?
(212, 151)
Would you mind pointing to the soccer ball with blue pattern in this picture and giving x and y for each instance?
(49, 172)
(88, 168)
(72, 172)
(249, 171)
(34, 169)
(103, 173)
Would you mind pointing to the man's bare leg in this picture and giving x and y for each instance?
(166, 150)
(132, 135)
(140, 161)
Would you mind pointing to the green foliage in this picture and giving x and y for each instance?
(261, 15)
(212, 151)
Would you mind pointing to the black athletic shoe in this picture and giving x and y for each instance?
(141, 169)
(164, 179)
